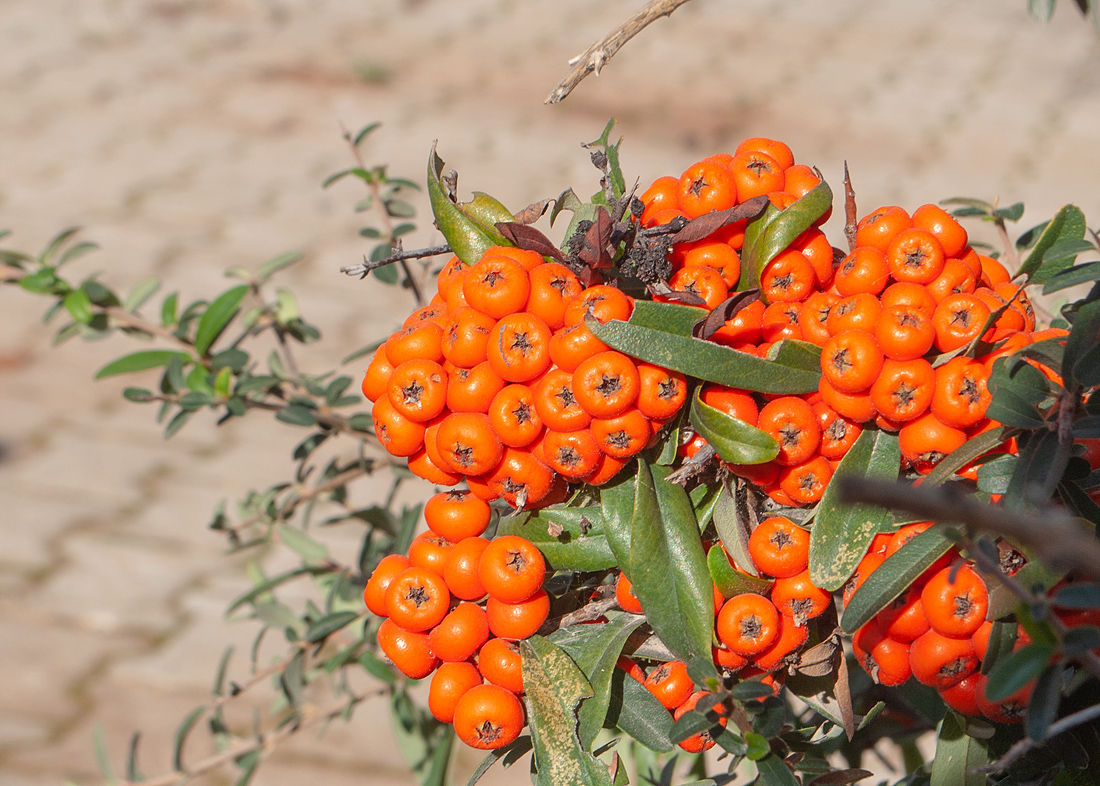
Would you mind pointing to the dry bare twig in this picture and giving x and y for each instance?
(596, 56)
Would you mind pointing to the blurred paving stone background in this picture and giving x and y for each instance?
(190, 136)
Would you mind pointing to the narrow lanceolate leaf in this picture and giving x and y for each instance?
(841, 533)
(140, 361)
(326, 626)
(772, 232)
(735, 519)
(666, 317)
(729, 580)
(181, 737)
(217, 315)
(272, 266)
(1042, 708)
(708, 361)
(664, 560)
(569, 538)
(555, 687)
(1067, 224)
(142, 291)
(957, 756)
(300, 543)
(1082, 336)
(894, 576)
(595, 649)
(963, 455)
(733, 439)
(466, 237)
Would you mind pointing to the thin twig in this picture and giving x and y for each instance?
(417, 253)
(850, 214)
(387, 222)
(125, 318)
(1053, 536)
(1026, 745)
(596, 56)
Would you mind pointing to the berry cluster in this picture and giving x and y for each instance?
(760, 634)
(454, 608)
(936, 631)
(500, 382)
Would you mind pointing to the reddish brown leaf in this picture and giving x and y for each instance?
(840, 777)
(533, 212)
(530, 239)
(705, 225)
(724, 312)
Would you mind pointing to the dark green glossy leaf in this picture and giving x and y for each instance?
(995, 475)
(841, 533)
(1017, 389)
(709, 361)
(217, 315)
(1002, 640)
(1016, 670)
(894, 576)
(664, 560)
(1042, 708)
(178, 421)
(1037, 471)
(773, 231)
(957, 756)
(731, 581)
(1067, 224)
(963, 455)
(579, 545)
(1082, 336)
(638, 713)
(666, 317)
(734, 519)
(140, 361)
(774, 772)
(1078, 502)
(1087, 369)
(555, 687)
(595, 649)
(733, 439)
(1071, 277)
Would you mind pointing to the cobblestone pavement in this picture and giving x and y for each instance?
(189, 136)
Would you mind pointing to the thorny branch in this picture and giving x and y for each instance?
(596, 56)
(417, 253)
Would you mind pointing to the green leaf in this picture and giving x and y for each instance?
(424, 742)
(637, 712)
(181, 737)
(78, 305)
(555, 687)
(1082, 336)
(957, 756)
(595, 649)
(297, 415)
(734, 519)
(40, 282)
(518, 747)
(466, 237)
(894, 576)
(731, 581)
(580, 544)
(708, 361)
(656, 541)
(733, 439)
(1071, 277)
(773, 231)
(1002, 640)
(841, 533)
(774, 772)
(275, 264)
(168, 310)
(1017, 388)
(1036, 472)
(301, 544)
(142, 291)
(102, 759)
(326, 626)
(217, 315)
(140, 361)
(1042, 708)
(963, 455)
(1067, 224)
(1016, 670)
(615, 173)
(666, 317)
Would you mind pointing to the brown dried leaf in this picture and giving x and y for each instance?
(554, 529)
(822, 659)
(594, 248)
(533, 212)
(530, 239)
(724, 312)
(705, 225)
(843, 692)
